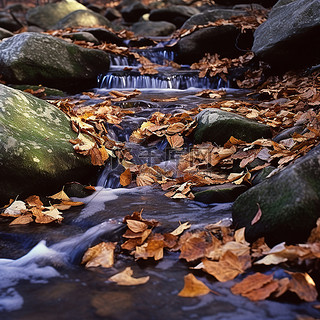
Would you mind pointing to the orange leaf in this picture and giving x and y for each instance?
(34, 201)
(136, 226)
(125, 178)
(100, 255)
(303, 285)
(193, 287)
(125, 278)
(257, 216)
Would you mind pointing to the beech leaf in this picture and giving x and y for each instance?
(125, 278)
(193, 287)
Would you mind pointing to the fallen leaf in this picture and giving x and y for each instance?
(136, 226)
(193, 287)
(125, 178)
(34, 201)
(125, 278)
(60, 196)
(23, 219)
(15, 208)
(100, 255)
(257, 217)
(181, 228)
(303, 285)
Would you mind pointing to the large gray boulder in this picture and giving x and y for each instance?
(289, 202)
(32, 58)
(218, 126)
(153, 28)
(225, 40)
(204, 18)
(35, 153)
(48, 15)
(290, 36)
(174, 14)
(82, 18)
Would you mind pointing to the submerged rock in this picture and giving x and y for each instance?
(48, 15)
(218, 126)
(227, 192)
(32, 58)
(290, 36)
(289, 202)
(35, 153)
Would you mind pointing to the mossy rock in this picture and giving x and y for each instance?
(32, 58)
(48, 15)
(218, 126)
(35, 153)
(289, 202)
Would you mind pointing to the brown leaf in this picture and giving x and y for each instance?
(23, 219)
(125, 278)
(100, 255)
(175, 141)
(136, 226)
(193, 246)
(34, 201)
(125, 178)
(151, 249)
(181, 228)
(262, 293)
(193, 287)
(303, 285)
(257, 216)
(228, 267)
(60, 196)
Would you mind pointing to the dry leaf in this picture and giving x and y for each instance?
(34, 201)
(23, 219)
(136, 226)
(257, 216)
(100, 255)
(181, 228)
(60, 196)
(193, 287)
(303, 285)
(125, 178)
(14, 209)
(125, 278)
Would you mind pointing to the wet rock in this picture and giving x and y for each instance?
(5, 33)
(287, 133)
(32, 58)
(174, 14)
(153, 28)
(289, 202)
(76, 189)
(212, 16)
(290, 36)
(82, 36)
(48, 15)
(134, 12)
(6, 22)
(104, 35)
(218, 126)
(82, 18)
(35, 154)
(265, 3)
(112, 14)
(262, 175)
(220, 39)
(220, 193)
(47, 92)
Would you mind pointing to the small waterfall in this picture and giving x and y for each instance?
(180, 80)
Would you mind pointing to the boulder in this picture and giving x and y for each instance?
(227, 192)
(6, 22)
(289, 202)
(134, 12)
(212, 16)
(112, 14)
(218, 126)
(174, 14)
(32, 58)
(48, 15)
(5, 33)
(290, 36)
(153, 28)
(265, 3)
(82, 18)
(35, 154)
(224, 40)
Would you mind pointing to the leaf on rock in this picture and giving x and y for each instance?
(23, 219)
(193, 287)
(181, 228)
(136, 226)
(100, 255)
(60, 196)
(125, 178)
(257, 217)
(125, 278)
(34, 201)
(303, 285)
(14, 209)
(193, 246)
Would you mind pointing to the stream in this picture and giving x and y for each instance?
(40, 270)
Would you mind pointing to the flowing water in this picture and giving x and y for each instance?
(41, 275)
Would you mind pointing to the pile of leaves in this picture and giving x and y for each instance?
(32, 209)
(220, 252)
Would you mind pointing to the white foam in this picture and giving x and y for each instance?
(10, 300)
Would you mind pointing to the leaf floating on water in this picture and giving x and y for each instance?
(193, 287)
(181, 228)
(60, 196)
(100, 255)
(125, 278)
(23, 219)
